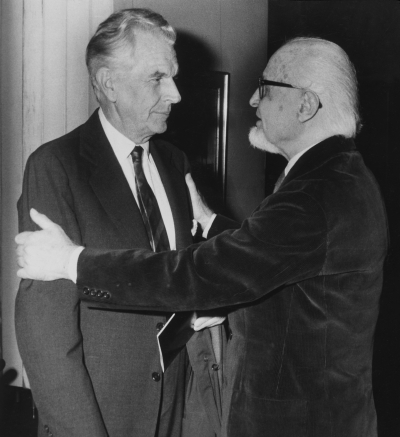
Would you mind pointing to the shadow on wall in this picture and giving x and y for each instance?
(18, 414)
(194, 55)
(6, 379)
(191, 125)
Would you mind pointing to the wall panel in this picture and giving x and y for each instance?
(44, 93)
(54, 69)
(200, 18)
(32, 80)
(99, 11)
(77, 86)
(244, 54)
(122, 4)
(12, 164)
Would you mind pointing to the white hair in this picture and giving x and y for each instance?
(118, 31)
(324, 68)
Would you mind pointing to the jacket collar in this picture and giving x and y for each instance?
(319, 154)
(112, 189)
(109, 183)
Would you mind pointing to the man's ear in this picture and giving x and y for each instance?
(104, 83)
(309, 106)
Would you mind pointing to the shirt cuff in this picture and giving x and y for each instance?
(209, 224)
(73, 264)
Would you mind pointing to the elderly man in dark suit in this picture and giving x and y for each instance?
(302, 274)
(96, 372)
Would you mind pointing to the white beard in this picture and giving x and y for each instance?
(257, 139)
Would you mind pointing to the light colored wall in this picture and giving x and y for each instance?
(45, 93)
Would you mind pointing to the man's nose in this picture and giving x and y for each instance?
(255, 99)
(171, 92)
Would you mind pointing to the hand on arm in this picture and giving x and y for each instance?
(44, 255)
(202, 213)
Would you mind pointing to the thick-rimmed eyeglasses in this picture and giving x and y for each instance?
(264, 83)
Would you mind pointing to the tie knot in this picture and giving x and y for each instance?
(137, 153)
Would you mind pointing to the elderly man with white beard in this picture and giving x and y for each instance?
(301, 276)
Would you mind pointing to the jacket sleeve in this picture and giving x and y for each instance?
(221, 224)
(283, 242)
(47, 315)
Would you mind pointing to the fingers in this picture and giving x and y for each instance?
(194, 317)
(201, 211)
(20, 251)
(22, 237)
(40, 219)
(189, 181)
(21, 240)
(22, 274)
(207, 322)
(191, 186)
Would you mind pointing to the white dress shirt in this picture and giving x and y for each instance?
(295, 158)
(123, 147)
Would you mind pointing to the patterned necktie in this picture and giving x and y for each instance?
(148, 206)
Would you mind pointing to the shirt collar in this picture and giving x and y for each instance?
(295, 158)
(121, 145)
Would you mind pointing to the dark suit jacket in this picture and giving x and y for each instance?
(94, 371)
(305, 274)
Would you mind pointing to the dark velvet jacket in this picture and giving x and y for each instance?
(92, 370)
(302, 277)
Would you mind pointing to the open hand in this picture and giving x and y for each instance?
(43, 255)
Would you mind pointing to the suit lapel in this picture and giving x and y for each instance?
(110, 185)
(175, 188)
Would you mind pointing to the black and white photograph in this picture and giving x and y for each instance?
(200, 218)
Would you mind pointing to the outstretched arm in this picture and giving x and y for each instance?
(50, 251)
(235, 267)
(46, 255)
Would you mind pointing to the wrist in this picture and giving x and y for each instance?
(208, 225)
(72, 265)
(205, 216)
